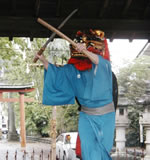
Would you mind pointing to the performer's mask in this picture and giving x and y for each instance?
(95, 42)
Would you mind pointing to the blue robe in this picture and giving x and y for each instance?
(93, 88)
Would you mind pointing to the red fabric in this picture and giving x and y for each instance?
(86, 64)
(78, 147)
(94, 50)
(81, 64)
(106, 56)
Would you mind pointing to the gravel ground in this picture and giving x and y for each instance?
(33, 151)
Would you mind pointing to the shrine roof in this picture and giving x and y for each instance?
(118, 18)
(16, 87)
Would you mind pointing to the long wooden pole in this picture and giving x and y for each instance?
(53, 29)
(53, 133)
(22, 121)
(53, 34)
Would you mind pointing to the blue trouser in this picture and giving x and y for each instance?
(96, 135)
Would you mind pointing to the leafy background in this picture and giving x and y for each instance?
(17, 67)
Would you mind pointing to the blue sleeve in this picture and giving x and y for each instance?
(57, 86)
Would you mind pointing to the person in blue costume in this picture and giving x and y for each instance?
(87, 77)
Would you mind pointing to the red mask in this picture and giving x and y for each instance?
(83, 64)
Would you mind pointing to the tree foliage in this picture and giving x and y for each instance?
(67, 118)
(134, 79)
(17, 67)
(38, 119)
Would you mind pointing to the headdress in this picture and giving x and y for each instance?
(95, 42)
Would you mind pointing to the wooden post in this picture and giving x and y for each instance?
(22, 121)
(21, 90)
(53, 134)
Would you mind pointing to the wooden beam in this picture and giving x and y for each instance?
(16, 90)
(13, 7)
(21, 101)
(37, 7)
(103, 8)
(53, 132)
(59, 5)
(112, 37)
(16, 99)
(147, 10)
(22, 121)
(80, 5)
(140, 27)
(132, 37)
(24, 90)
(31, 38)
(127, 5)
(10, 38)
(1, 95)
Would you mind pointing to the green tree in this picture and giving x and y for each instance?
(67, 118)
(38, 119)
(17, 62)
(133, 78)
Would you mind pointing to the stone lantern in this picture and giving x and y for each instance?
(122, 123)
(145, 119)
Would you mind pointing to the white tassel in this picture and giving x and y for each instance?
(95, 70)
